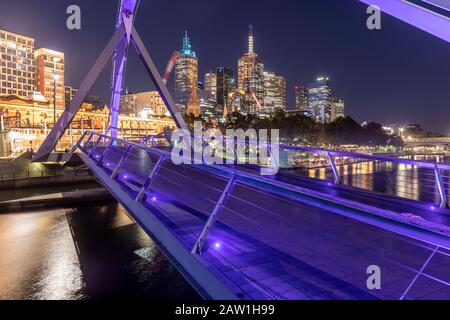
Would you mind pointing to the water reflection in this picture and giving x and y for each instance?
(83, 253)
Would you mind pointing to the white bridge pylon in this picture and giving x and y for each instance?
(117, 50)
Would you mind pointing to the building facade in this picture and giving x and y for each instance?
(186, 73)
(301, 101)
(50, 75)
(274, 93)
(338, 109)
(320, 100)
(210, 88)
(135, 103)
(226, 85)
(251, 79)
(17, 64)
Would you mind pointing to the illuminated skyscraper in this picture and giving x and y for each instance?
(186, 73)
(17, 64)
(337, 109)
(226, 85)
(50, 69)
(211, 85)
(301, 101)
(320, 100)
(251, 79)
(274, 93)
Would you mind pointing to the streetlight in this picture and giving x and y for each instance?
(55, 78)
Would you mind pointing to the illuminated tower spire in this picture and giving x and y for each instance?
(187, 49)
(250, 40)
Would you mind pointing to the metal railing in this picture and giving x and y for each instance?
(232, 214)
(423, 181)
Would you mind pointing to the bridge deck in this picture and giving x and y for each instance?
(266, 245)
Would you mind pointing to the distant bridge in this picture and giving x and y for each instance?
(418, 142)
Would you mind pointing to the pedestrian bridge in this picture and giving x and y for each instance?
(234, 234)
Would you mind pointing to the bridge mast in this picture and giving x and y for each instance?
(117, 50)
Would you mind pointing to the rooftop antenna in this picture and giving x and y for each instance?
(250, 40)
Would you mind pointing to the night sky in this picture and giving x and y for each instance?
(397, 75)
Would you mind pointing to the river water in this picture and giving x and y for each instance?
(87, 252)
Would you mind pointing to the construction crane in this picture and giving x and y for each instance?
(170, 65)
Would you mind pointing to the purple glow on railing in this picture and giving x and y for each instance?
(217, 245)
(154, 199)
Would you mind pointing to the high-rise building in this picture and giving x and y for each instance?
(274, 93)
(186, 72)
(207, 104)
(320, 100)
(251, 79)
(17, 64)
(135, 103)
(301, 101)
(226, 85)
(210, 89)
(337, 109)
(50, 73)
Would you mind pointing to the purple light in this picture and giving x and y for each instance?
(154, 199)
(217, 245)
(433, 208)
(330, 184)
(125, 177)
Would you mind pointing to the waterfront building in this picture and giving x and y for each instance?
(135, 103)
(186, 73)
(27, 121)
(274, 93)
(251, 79)
(17, 64)
(50, 75)
(320, 100)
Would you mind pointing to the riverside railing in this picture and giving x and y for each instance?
(411, 179)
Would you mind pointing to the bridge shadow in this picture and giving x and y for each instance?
(119, 260)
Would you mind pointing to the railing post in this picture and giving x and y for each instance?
(104, 153)
(89, 139)
(78, 143)
(121, 162)
(213, 217)
(441, 188)
(337, 177)
(95, 146)
(151, 177)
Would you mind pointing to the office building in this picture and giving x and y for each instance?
(320, 100)
(338, 109)
(226, 85)
(50, 75)
(17, 64)
(274, 93)
(186, 73)
(251, 79)
(301, 101)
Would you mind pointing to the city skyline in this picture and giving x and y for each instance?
(418, 87)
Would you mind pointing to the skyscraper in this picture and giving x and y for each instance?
(251, 79)
(274, 93)
(301, 101)
(50, 69)
(17, 64)
(186, 73)
(337, 109)
(211, 85)
(226, 84)
(320, 100)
